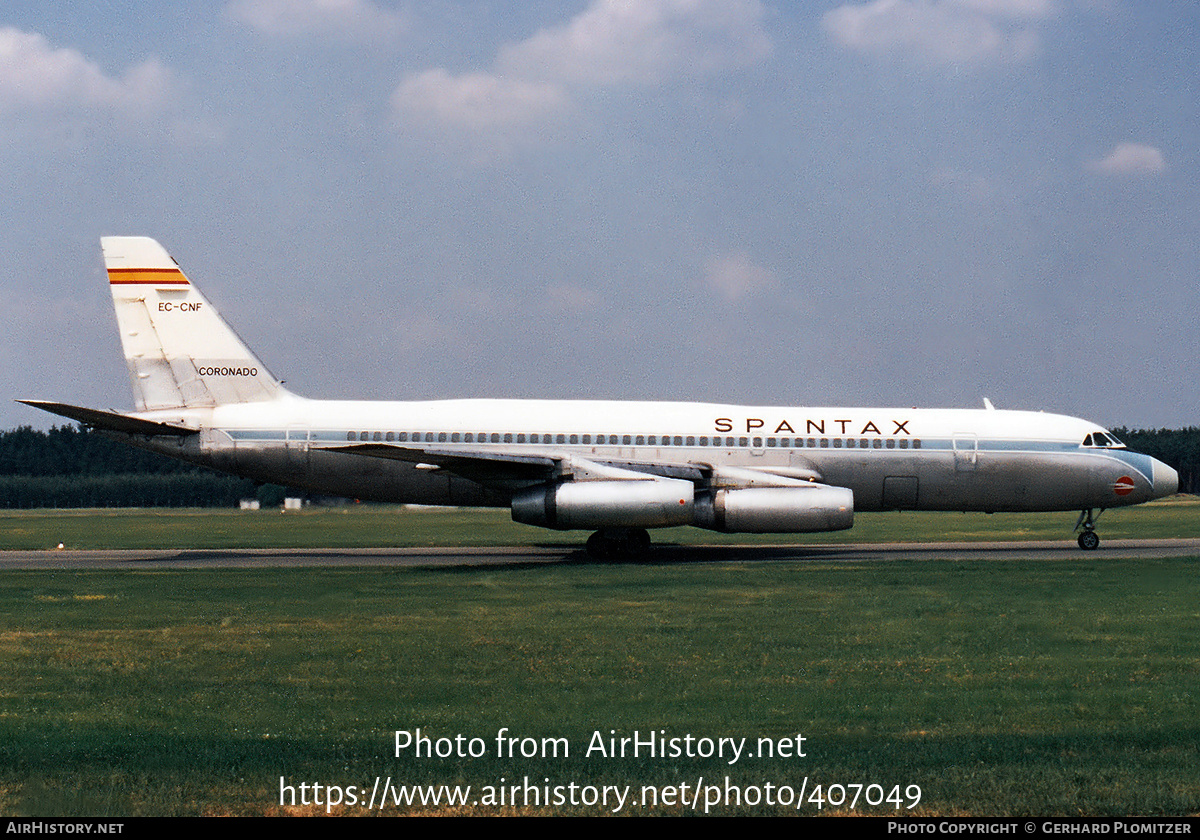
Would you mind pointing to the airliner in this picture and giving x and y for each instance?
(615, 468)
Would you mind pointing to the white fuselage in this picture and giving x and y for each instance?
(891, 458)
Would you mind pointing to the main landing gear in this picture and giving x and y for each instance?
(1089, 540)
(618, 544)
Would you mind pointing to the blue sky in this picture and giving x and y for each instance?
(899, 202)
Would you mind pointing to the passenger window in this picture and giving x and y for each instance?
(403, 436)
(743, 441)
(574, 438)
(441, 437)
(508, 437)
(691, 441)
(562, 438)
(640, 440)
(454, 438)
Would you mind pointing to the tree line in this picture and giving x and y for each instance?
(69, 466)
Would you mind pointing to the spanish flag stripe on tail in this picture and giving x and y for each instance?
(156, 276)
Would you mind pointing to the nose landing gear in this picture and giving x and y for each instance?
(1089, 540)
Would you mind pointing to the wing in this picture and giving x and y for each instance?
(485, 467)
(498, 468)
(564, 491)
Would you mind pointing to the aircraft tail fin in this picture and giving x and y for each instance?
(178, 348)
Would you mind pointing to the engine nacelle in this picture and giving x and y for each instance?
(652, 503)
(776, 510)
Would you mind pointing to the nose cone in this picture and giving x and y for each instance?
(1166, 480)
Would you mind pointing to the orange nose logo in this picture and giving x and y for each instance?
(1123, 486)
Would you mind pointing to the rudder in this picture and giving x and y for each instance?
(178, 348)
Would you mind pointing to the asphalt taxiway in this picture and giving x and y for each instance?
(1065, 550)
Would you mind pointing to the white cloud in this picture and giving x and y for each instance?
(476, 101)
(356, 20)
(36, 76)
(612, 42)
(1130, 159)
(616, 41)
(942, 31)
(1013, 8)
(736, 276)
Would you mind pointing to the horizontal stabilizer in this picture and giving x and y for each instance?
(110, 420)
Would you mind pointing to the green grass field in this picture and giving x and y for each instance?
(1008, 687)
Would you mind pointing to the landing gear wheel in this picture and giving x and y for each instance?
(1089, 540)
(599, 546)
(636, 542)
(618, 544)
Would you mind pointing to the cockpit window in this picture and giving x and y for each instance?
(1103, 440)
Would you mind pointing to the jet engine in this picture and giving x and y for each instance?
(652, 503)
(776, 510)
